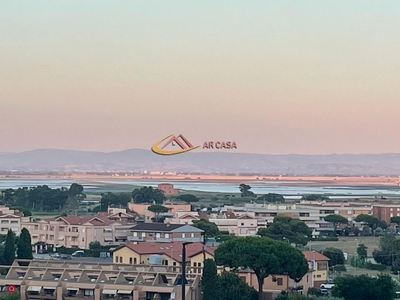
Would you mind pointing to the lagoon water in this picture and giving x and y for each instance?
(285, 188)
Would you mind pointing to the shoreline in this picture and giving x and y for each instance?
(283, 180)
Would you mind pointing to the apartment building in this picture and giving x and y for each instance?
(11, 219)
(237, 223)
(78, 231)
(161, 232)
(58, 280)
(385, 211)
(168, 254)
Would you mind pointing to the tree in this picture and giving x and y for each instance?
(75, 197)
(292, 229)
(362, 251)
(94, 245)
(264, 256)
(148, 194)
(234, 288)
(389, 250)
(157, 209)
(314, 197)
(110, 199)
(371, 221)
(365, 288)
(336, 220)
(210, 229)
(188, 198)
(335, 255)
(24, 247)
(395, 220)
(9, 248)
(245, 190)
(272, 198)
(210, 280)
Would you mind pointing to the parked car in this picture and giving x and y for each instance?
(78, 253)
(65, 256)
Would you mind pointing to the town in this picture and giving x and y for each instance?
(90, 255)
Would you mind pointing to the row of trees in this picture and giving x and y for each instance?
(43, 198)
(21, 246)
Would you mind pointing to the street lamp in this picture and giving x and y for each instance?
(287, 240)
(183, 296)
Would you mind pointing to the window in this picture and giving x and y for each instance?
(130, 260)
(14, 222)
(116, 259)
(199, 264)
(194, 264)
(192, 235)
(279, 281)
(4, 221)
(167, 235)
(143, 234)
(158, 235)
(183, 235)
(242, 224)
(120, 259)
(322, 265)
(135, 234)
(88, 293)
(134, 260)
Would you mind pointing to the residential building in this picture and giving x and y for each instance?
(162, 232)
(11, 219)
(78, 231)
(168, 254)
(320, 265)
(239, 224)
(142, 209)
(60, 280)
(168, 189)
(385, 211)
(275, 284)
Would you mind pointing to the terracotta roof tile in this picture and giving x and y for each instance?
(314, 255)
(173, 250)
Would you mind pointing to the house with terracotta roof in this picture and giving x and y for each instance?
(319, 264)
(274, 284)
(167, 254)
(78, 231)
(164, 232)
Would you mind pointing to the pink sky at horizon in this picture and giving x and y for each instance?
(275, 78)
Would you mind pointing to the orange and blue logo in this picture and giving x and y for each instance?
(182, 144)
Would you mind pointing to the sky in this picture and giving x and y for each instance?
(276, 77)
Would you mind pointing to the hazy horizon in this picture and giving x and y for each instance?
(276, 77)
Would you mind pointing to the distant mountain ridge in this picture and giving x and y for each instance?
(55, 160)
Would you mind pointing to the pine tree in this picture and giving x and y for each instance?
(210, 280)
(24, 247)
(9, 249)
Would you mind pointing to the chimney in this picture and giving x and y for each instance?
(168, 224)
